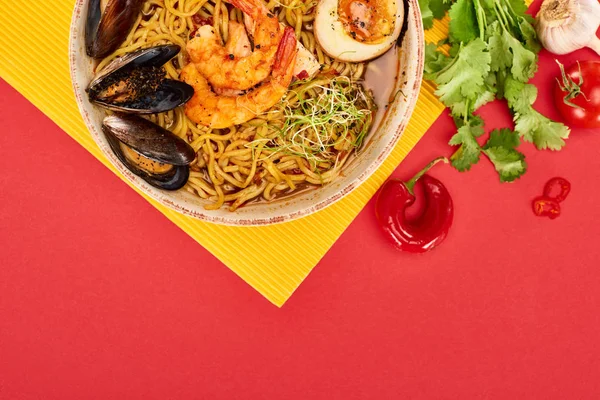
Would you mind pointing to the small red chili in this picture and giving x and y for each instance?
(557, 189)
(424, 232)
(546, 207)
(302, 75)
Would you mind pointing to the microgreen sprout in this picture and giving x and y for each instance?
(323, 119)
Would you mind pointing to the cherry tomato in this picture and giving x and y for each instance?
(584, 96)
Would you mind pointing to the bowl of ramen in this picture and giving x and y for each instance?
(246, 112)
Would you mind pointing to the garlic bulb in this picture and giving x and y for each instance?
(564, 26)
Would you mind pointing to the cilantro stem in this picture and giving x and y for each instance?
(481, 20)
(410, 185)
(465, 118)
(501, 16)
(454, 60)
(511, 9)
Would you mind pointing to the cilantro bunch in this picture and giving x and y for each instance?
(492, 55)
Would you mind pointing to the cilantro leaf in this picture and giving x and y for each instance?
(520, 96)
(501, 57)
(426, 14)
(518, 7)
(529, 34)
(530, 124)
(439, 8)
(469, 151)
(541, 131)
(509, 164)
(435, 61)
(524, 61)
(501, 150)
(463, 22)
(464, 79)
(503, 138)
(466, 108)
(483, 99)
(461, 109)
(508, 52)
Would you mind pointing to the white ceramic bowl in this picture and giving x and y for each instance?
(379, 144)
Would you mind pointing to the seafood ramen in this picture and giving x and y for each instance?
(238, 101)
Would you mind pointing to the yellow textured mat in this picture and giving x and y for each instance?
(34, 60)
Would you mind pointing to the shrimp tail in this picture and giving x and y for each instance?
(286, 52)
(251, 7)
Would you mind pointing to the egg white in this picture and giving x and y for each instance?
(337, 43)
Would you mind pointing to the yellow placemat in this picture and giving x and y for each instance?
(34, 60)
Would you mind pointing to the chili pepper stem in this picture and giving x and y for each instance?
(410, 185)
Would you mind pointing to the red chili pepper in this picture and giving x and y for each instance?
(302, 75)
(546, 207)
(428, 230)
(557, 189)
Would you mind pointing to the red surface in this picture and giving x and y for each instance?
(102, 298)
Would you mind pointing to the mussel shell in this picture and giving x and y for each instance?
(153, 142)
(171, 94)
(148, 139)
(106, 30)
(175, 179)
(151, 57)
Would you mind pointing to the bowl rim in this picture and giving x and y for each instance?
(414, 17)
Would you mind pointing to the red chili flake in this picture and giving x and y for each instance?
(557, 189)
(193, 33)
(296, 171)
(201, 21)
(546, 207)
(303, 74)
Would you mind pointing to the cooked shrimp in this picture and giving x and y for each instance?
(221, 67)
(306, 62)
(238, 45)
(218, 111)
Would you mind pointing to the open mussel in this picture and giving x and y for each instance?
(108, 24)
(153, 153)
(137, 83)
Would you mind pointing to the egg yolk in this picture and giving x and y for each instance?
(151, 166)
(367, 21)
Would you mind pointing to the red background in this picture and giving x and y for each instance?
(102, 297)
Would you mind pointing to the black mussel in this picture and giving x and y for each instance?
(153, 153)
(137, 83)
(108, 24)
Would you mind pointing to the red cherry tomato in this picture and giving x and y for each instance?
(579, 86)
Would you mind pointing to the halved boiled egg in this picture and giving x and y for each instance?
(358, 30)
